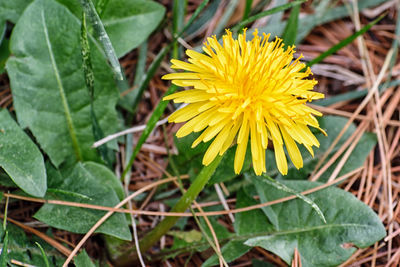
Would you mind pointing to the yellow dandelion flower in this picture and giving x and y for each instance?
(246, 89)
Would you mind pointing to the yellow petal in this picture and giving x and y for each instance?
(293, 150)
(241, 151)
(185, 113)
(280, 157)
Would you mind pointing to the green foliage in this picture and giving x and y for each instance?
(297, 225)
(85, 183)
(11, 10)
(130, 22)
(64, 78)
(25, 249)
(247, 223)
(83, 260)
(47, 67)
(20, 157)
(290, 32)
(319, 244)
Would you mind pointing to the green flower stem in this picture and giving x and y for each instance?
(183, 204)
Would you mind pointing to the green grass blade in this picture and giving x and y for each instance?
(283, 187)
(102, 35)
(290, 33)
(178, 14)
(46, 261)
(267, 13)
(343, 43)
(158, 111)
(247, 9)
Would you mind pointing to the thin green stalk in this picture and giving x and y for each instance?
(46, 261)
(181, 188)
(183, 204)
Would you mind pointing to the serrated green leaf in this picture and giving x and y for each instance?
(349, 223)
(47, 68)
(96, 183)
(20, 158)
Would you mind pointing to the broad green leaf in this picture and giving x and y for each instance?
(20, 158)
(130, 22)
(246, 223)
(96, 184)
(11, 10)
(47, 68)
(350, 224)
(83, 260)
(127, 22)
(106, 177)
(332, 125)
(26, 250)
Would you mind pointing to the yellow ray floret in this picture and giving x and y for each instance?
(245, 90)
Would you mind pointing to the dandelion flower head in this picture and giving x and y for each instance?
(245, 90)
